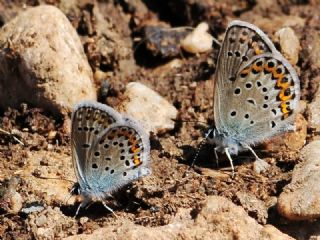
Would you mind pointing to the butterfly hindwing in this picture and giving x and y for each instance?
(264, 99)
(119, 156)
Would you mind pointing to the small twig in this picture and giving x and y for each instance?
(10, 134)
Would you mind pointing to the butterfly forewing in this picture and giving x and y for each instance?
(242, 41)
(119, 156)
(89, 119)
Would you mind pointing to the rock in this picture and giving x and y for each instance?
(314, 113)
(163, 41)
(300, 200)
(289, 44)
(11, 201)
(42, 62)
(33, 207)
(218, 218)
(270, 232)
(199, 40)
(253, 206)
(311, 78)
(145, 105)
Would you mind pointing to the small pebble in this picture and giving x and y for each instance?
(41, 220)
(199, 40)
(289, 44)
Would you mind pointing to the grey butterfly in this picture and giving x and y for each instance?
(256, 92)
(108, 151)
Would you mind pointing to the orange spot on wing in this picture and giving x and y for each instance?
(258, 51)
(269, 69)
(277, 75)
(285, 115)
(246, 71)
(283, 97)
(283, 85)
(257, 68)
(284, 108)
(136, 161)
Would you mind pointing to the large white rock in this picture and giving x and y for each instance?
(42, 61)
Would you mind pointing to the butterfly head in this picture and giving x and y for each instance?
(222, 141)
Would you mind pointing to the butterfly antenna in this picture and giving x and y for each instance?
(52, 178)
(195, 156)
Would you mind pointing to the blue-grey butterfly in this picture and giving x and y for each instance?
(256, 92)
(109, 150)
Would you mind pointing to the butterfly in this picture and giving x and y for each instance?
(256, 92)
(109, 150)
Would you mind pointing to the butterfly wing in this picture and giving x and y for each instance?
(89, 119)
(119, 156)
(257, 90)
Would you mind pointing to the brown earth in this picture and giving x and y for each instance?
(154, 201)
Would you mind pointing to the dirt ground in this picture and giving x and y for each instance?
(168, 189)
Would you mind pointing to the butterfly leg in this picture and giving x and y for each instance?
(81, 205)
(230, 160)
(259, 164)
(109, 209)
(216, 155)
